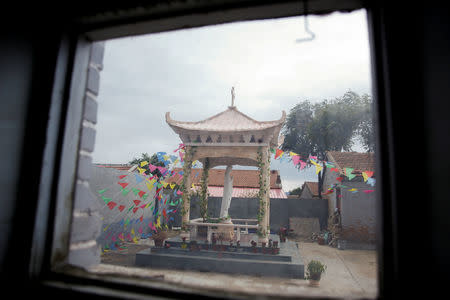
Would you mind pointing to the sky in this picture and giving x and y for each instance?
(190, 72)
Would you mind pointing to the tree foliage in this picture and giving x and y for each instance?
(150, 159)
(296, 191)
(330, 125)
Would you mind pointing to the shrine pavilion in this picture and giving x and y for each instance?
(226, 139)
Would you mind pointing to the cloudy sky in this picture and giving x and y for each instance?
(190, 73)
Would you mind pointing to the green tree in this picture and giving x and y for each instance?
(296, 191)
(314, 129)
(150, 159)
(329, 125)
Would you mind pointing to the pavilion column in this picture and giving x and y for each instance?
(187, 182)
(264, 225)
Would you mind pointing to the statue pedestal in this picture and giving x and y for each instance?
(226, 232)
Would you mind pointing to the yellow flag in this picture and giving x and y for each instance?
(135, 240)
(353, 190)
(166, 157)
(165, 184)
(141, 171)
(132, 231)
(144, 163)
(148, 205)
(292, 154)
(318, 168)
(149, 186)
(158, 222)
(172, 185)
(193, 186)
(364, 174)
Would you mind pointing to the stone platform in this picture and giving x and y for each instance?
(246, 260)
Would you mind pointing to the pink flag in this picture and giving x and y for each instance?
(181, 156)
(151, 167)
(302, 165)
(140, 229)
(295, 159)
(369, 191)
(179, 193)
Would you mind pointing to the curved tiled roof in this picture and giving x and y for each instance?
(229, 120)
(241, 178)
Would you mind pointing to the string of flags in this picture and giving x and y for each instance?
(168, 202)
(348, 172)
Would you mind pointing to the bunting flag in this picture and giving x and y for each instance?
(141, 193)
(340, 179)
(111, 204)
(149, 186)
(302, 164)
(135, 210)
(369, 191)
(101, 191)
(318, 168)
(158, 223)
(353, 190)
(334, 170)
(366, 175)
(151, 167)
(121, 208)
(138, 178)
(348, 173)
(172, 185)
(123, 184)
(137, 202)
(141, 171)
(278, 153)
(144, 163)
(122, 176)
(295, 159)
(371, 181)
(125, 191)
(106, 200)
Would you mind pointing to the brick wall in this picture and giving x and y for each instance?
(86, 221)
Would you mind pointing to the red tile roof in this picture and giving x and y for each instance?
(313, 187)
(241, 178)
(238, 192)
(360, 162)
(122, 167)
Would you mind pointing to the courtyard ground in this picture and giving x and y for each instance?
(349, 274)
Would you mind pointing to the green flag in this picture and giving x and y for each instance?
(348, 172)
(106, 200)
(101, 191)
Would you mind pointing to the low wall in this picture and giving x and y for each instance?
(281, 209)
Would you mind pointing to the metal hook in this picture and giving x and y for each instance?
(312, 34)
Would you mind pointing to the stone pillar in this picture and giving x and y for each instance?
(187, 182)
(265, 220)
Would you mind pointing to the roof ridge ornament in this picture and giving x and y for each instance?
(232, 97)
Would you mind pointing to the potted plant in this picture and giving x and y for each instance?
(314, 272)
(159, 238)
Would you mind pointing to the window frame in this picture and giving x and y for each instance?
(50, 248)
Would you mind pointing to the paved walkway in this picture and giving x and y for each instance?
(350, 274)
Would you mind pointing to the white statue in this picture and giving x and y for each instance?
(232, 96)
(227, 192)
